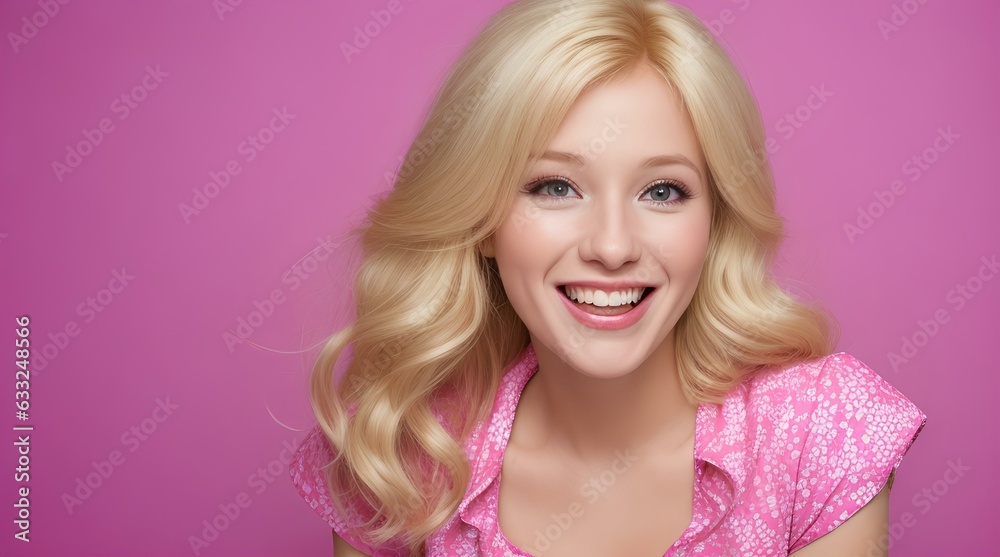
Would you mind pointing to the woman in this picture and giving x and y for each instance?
(567, 289)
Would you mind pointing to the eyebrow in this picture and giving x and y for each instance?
(652, 162)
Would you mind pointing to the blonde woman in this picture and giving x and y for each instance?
(566, 339)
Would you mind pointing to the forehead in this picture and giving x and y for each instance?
(627, 121)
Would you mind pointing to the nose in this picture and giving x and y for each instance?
(610, 235)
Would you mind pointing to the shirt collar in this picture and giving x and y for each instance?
(721, 455)
(720, 444)
(486, 444)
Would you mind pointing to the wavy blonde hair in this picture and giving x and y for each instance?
(433, 330)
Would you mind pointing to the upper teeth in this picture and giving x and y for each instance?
(602, 298)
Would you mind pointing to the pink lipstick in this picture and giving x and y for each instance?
(611, 319)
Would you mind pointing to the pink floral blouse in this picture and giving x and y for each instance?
(789, 455)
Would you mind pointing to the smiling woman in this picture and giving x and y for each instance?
(608, 301)
(586, 229)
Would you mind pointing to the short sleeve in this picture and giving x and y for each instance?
(859, 430)
(307, 470)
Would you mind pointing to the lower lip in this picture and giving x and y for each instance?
(607, 322)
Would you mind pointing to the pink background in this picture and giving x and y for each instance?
(234, 409)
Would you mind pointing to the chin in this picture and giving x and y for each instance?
(605, 358)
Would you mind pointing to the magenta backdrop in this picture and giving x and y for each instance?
(174, 271)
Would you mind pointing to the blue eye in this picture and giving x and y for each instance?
(660, 192)
(551, 187)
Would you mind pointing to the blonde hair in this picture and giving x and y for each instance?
(433, 330)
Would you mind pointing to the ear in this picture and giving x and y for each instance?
(486, 247)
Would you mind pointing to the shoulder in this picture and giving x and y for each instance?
(805, 372)
(842, 430)
(307, 469)
(836, 387)
(308, 461)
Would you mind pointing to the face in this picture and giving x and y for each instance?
(601, 251)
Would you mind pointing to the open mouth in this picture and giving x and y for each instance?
(599, 302)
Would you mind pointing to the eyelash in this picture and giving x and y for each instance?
(535, 185)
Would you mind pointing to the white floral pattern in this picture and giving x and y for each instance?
(787, 457)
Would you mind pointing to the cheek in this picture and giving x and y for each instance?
(684, 245)
(527, 246)
(526, 236)
(511, 251)
(698, 249)
(515, 266)
(514, 254)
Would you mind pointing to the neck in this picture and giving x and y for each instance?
(644, 411)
